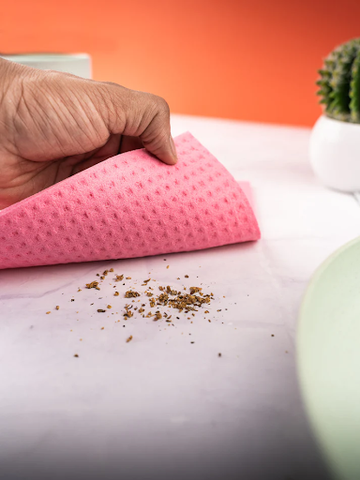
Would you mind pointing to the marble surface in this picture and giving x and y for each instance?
(161, 406)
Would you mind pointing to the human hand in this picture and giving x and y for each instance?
(53, 125)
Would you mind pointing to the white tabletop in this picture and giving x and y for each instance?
(160, 406)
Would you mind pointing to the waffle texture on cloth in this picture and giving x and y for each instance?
(131, 205)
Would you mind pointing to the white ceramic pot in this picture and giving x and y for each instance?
(335, 153)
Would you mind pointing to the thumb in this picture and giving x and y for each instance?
(143, 115)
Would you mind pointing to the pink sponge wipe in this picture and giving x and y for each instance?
(131, 205)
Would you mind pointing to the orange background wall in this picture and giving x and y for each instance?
(251, 60)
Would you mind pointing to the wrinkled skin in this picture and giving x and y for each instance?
(53, 125)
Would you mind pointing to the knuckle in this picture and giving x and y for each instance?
(160, 105)
(164, 107)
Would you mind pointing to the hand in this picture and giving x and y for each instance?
(53, 125)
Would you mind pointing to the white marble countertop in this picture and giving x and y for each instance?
(160, 406)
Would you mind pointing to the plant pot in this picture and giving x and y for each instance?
(335, 153)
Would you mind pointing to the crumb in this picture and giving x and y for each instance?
(129, 338)
(102, 328)
(207, 311)
(192, 342)
(131, 293)
(116, 294)
(76, 355)
(167, 266)
(209, 320)
(79, 289)
(127, 278)
(72, 300)
(93, 284)
(47, 313)
(272, 335)
(219, 354)
(157, 316)
(119, 278)
(109, 306)
(100, 310)
(57, 307)
(186, 276)
(111, 270)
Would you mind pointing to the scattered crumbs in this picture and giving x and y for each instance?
(219, 354)
(116, 294)
(47, 313)
(93, 284)
(129, 338)
(118, 278)
(109, 306)
(101, 310)
(57, 307)
(76, 355)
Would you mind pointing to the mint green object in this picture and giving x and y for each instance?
(329, 359)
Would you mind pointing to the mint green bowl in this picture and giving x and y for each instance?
(328, 344)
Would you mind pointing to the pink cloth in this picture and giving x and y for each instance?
(131, 205)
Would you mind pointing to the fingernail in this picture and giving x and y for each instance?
(173, 149)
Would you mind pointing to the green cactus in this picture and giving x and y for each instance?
(339, 83)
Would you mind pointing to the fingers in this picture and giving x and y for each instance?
(139, 114)
(130, 143)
